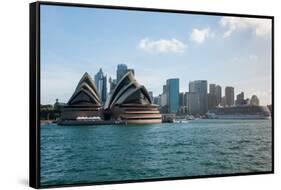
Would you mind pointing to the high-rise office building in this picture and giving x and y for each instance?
(229, 96)
(164, 89)
(193, 103)
(122, 69)
(218, 94)
(200, 87)
(240, 99)
(212, 88)
(223, 101)
(186, 101)
(101, 84)
(181, 99)
(182, 103)
(212, 101)
(163, 100)
(212, 96)
(172, 88)
(156, 100)
(112, 84)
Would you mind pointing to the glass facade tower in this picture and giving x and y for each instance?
(172, 88)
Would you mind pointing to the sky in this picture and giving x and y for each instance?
(228, 51)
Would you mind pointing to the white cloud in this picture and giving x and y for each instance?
(162, 45)
(260, 27)
(199, 36)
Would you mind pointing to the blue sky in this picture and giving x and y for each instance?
(229, 51)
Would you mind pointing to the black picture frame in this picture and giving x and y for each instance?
(34, 89)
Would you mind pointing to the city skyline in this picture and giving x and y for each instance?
(210, 89)
(200, 47)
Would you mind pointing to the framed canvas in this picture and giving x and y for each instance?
(127, 94)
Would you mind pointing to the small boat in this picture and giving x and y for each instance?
(181, 121)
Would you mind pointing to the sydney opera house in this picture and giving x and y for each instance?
(85, 101)
(129, 103)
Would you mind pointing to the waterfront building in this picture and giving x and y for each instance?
(229, 96)
(181, 99)
(186, 101)
(130, 102)
(223, 101)
(247, 101)
(58, 106)
(254, 101)
(122, 69)
(85, 101)
(215, 92)
(101, 84)
(156, 100)
(182, 103)
(163, 100)
(200, 88)
(240, 99)
(193, 103)
(172, 88)
(212, 101)
(218, 94)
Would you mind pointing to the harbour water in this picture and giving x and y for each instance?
(87, 154)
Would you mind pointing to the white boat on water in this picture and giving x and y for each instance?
(239, 112)
(181, 121)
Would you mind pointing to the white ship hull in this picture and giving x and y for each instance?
(214, 116)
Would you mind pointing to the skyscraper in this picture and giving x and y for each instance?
(200, 87)
(240, 99)
(164, 89)
(212, 101)
(112, 84)
(182, 104)
(193, 103)
(212, 88)
(229, 96)
(101, 84)
(172, 87)
(163, 100)
(218, 94)
(212, 96)
(181, 99)
(156, 100)
(121, 71)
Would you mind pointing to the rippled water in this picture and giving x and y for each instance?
(86, 154)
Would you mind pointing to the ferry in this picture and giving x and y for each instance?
(239, 112)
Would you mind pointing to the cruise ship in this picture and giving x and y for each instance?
(240, 112)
